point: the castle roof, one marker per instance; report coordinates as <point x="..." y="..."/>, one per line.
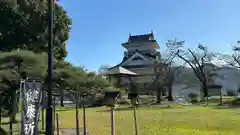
<point x="141" y="38"/>
<point x="151" y="58"/>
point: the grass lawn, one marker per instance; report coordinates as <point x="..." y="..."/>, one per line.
<point x="190" y="120"/>
<point x="185" y="120"/>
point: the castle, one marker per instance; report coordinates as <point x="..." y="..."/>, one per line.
<point x="140" y="57"/>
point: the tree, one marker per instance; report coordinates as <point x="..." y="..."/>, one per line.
<point x="15" y="66"/>
<point x="236" y="55"/>
<point x="24" y="25"/>
<point x="61" y="73"/>
<point x="103" y="69"/>
<point x="197" y="62"/>
<point x="172" y="75"/>
<point x="172" y="48"/>
<point x="163" y="69"/>
<point x="77" y="80"/>
<point x="159" y="79"/>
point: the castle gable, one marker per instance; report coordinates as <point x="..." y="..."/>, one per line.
<point x="138" y="59"/>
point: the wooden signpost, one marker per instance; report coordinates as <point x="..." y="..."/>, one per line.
<point x="133" y="98"/>
<point x="110" y="98"/>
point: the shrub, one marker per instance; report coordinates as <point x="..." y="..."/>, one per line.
<point x="123" y="100"/>
<point x="236" y="102"/>
<point x="231" y="93"/>
<point x="194" y="101"/>
<point x="192" y="95"/>
<point x="97" y="103"/>
<point x="3" y="132"/>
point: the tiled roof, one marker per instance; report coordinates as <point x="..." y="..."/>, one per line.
<point x="124" y="59"/>
<point x="141" y="38"/>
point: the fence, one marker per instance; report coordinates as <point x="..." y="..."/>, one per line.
<point x="30" y="120"/>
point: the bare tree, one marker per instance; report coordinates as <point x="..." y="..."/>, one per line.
<point x="197" y="62"/>
<point x="159" y="79"/>
<point x="164" y="75"/>
<point x="173" y="72"/>
<point x="236" y="55"/>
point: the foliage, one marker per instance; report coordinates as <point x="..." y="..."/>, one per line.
<point x="103" y="69"/>
<point x="15" y="65"/>
<point x="231" y="93"/>
<point x="24" y="25"/>
<point x="2" y="131"/>
<point x="111" y="88"/>
<point x="192" y="95"/>
<point x="165" y="76"/>
<point x="76" y="78"/>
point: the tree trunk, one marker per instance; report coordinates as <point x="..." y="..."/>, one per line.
<point x="170" y="98"/>
<point x="205" y="91"/>
<point x="61" y="97"/>
<point x="164" y="92"/>
<point x="159" y="96"/>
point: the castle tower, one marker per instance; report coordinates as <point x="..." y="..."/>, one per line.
<point x="140" y="57"/>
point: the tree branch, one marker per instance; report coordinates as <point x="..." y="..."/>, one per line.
<point x="190" y="64"/>
<point x="200" y="67"/>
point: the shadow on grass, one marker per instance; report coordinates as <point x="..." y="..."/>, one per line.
<point x="117" y="109"/>
<point x="227" y="107"/>
<point x="65" y="109"/>
<point x="142" y="107"/>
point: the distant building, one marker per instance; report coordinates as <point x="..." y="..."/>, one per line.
<point x="140" y="57"/>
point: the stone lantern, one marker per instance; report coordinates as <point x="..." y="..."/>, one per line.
<point x="110" y="96"/>
<point x="133" y="97"/>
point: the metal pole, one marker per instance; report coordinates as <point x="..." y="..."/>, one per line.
<point x="57" y="118"/>
<point x="54" y="111"/>
<point x="49" y="114"/>
<point x="77" y="119"/>
<point x="112" y="121"/>
<point x="135" y="119"/>
<point x="43" y="106"/>
<point x="84" y="118"/>
<point x="19" y="101"/>
<point x="22" y="106"/>
<point x="0" y="116"/>
<point x="10" y="128"/>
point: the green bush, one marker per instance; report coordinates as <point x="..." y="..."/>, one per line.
<point x="193" y="97"/>
<point x="236" y="102"/>
<point x="2" y="131"/>
<point x="194" y="101"/>
<point x="231" y="93"/>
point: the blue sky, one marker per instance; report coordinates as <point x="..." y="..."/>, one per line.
<point x="100" y="26"/>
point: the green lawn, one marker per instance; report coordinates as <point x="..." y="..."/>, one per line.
<point x="187" y="120"/>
